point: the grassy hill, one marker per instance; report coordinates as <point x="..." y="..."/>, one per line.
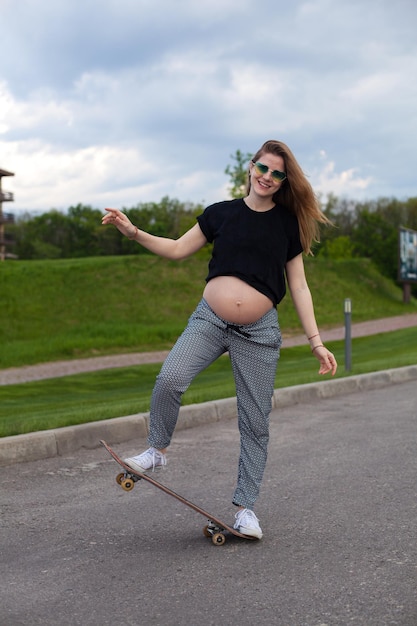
<point x="92" y="306"/>
<point x="79" y="308"/>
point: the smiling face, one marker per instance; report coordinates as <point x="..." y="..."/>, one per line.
<point x="265" y="184"/>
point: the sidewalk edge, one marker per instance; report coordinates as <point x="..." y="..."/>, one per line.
<point x="62" y="441"/>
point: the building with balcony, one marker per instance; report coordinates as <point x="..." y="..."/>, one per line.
<point x="5" y="218"/>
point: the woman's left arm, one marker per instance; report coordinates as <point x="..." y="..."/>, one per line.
<point x="303" y="302"/>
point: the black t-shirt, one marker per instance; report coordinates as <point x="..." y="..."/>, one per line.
<point x="253" y="246"/>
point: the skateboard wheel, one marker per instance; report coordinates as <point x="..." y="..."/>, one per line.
<point x="127" y="484"/>
<point x="218" y="539"/>
<point x="206" y="531"/>
<point x="119" y="478"/>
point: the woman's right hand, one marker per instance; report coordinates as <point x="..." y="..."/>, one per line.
<point x="174" y="249"/>
<point x="121" y="221"/>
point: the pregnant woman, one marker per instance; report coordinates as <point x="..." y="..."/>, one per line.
<point x="258" y="243"/>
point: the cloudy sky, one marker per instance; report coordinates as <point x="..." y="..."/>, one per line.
<point x="125" y="101"/>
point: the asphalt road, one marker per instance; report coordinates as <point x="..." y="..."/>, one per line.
<point x="338" y="510"/>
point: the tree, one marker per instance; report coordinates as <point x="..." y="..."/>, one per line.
<point x="376" y="239"/>
<point x="83" y="224"/>
<point x="238" y="174"/>
<point x="45" y="236"/>
<point x="338" y="248"/>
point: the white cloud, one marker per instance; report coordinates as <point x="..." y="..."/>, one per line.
<point x="49" y="178"/>
<point x="129" y="101"/>
<point x="343" y="183"/>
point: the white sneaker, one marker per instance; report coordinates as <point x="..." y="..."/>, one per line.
<point x="150" y="459"/>
<point x="247" y="523"/>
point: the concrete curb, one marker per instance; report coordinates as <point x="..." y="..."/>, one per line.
<point x="63" y="441"/>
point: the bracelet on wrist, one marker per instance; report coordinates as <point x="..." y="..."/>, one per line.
<point x="320" y="345"/>
<point x="134" y="234"/>
<point x="312" y="336"/>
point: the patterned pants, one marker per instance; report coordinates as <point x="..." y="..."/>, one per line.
<point x="254" y="351"/>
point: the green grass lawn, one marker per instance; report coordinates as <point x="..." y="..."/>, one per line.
<point x="116" y="392"/>
<point x="65" y="309"/>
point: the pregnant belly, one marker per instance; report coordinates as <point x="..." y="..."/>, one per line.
<point x="235" y="301"/>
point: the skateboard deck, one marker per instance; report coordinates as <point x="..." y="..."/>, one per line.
<point x="214" y="529"/>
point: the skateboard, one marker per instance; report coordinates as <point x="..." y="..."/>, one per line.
<point x="214" y="529"/>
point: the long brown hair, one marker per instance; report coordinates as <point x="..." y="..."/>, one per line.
<point x="296" y="193"/>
